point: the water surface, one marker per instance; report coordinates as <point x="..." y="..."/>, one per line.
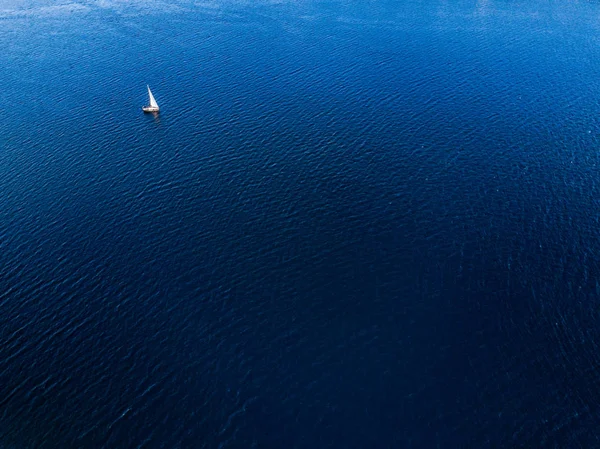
<point x="352" y="224"/>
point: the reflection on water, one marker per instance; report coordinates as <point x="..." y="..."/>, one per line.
<point x="155" y="117"/>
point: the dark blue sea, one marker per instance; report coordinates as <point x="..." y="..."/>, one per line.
<point x="353" y="224"/>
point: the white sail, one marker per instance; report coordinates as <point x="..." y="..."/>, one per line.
<point x="153" y="102"/>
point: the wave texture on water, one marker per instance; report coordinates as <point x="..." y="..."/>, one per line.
<point x="350" y="225"/>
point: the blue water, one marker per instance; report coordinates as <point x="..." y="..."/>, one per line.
<point x="352" y="225"/>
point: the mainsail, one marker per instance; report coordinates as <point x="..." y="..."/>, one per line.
<point x="153" y="102"/>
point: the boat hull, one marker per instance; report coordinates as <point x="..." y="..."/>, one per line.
<point x="150" y="109"/>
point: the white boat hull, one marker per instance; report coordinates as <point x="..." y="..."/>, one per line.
<point x="150" y="109"/>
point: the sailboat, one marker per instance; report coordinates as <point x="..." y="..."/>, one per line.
<point x="153" y="107"/>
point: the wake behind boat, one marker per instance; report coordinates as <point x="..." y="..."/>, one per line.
<point x="153" y="107"/>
